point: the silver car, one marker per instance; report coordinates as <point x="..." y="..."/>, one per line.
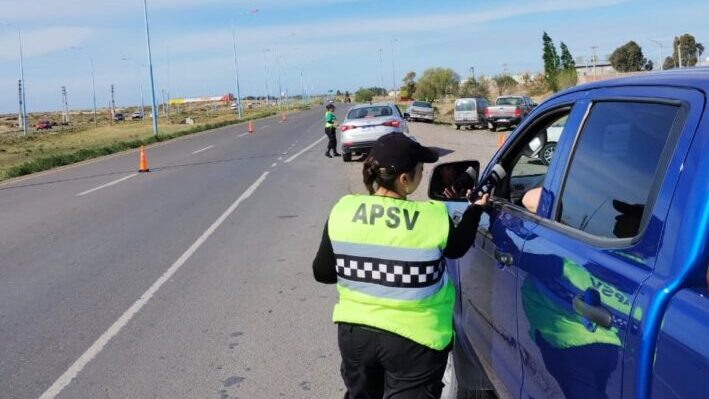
<point x="364" y="124"/>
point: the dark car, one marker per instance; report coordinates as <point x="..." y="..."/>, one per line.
<point x="119" y="117"/>
<point x="596" y="285"/>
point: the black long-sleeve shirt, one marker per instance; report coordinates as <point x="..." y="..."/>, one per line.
<point x="460" y="239"/>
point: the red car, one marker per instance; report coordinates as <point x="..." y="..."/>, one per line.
<point x="41" y="125"/>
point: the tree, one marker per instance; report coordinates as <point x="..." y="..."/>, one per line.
<point x="474" y="88"/>
<point x="551" y="63"/>
<point x="503" y="83"/>
<point x="690" y="50"/>
<point x="409" y="87"/>
<point x="436" y="83"/>
<point x="628" y="58"/>
<point x="364" y="95"/>
<point x="567" y="61"/>
<point x="338" y="93"/>
<point x="649" y="65"/>
<point x="669" y="63"/>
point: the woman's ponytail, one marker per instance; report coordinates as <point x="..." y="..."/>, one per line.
<point x="370" y="173"/>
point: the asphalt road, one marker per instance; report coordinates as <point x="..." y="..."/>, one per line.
<point x="191" y="281"/>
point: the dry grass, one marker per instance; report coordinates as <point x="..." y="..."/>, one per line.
<point x="21" y="155"/>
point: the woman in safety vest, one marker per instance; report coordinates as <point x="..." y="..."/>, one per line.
<point x="386" y="254"/>
<point x="330" y="130"/>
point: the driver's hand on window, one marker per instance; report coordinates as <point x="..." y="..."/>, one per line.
<point x="482" y="201"/>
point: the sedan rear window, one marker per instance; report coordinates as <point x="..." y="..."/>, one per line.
<point x="369" y="112"/>
<point x="422" y="104"/>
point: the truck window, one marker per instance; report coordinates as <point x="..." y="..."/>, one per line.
<point x="465" y="105"/>
<point x="613" y="167"/>
<point x="508" y="101"/>
<point x="422" y="104"/>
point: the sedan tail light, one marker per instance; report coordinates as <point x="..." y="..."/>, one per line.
<point x="392" y="123"/>
<point x="346" y="127"/>
<point x="518" y="112"/>
<point x="486" y="111"/>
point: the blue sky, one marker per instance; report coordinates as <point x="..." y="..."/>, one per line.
<point x="335" y="43"/>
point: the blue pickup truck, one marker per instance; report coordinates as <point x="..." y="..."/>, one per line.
<point x="600" y="289"/>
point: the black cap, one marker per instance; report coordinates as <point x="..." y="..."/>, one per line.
<point x="330" y="106"/>
<point x="397" y="153"/>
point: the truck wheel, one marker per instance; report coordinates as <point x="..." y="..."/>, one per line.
<point x="457" y="127"/>
<point x="347" y="156"/>
<point x="492" y="127"/>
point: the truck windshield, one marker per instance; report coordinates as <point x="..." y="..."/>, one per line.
<point x="421" y="104"/>
<point x="508" y="101"/>
<point x="465" y="105"/>
<point x="369" y="112"/>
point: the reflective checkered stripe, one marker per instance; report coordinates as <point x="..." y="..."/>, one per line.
<point x="391" y="276"/>
<point x="389" y="273"/>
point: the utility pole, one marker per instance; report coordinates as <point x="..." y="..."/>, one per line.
<point x="150" y="68"/>
<point x="113" y="100"/>
<point x="24" y="86"/>
<point x="20" y="114"/>
<point x="679" y="52"/>
<point x="65" y="106"/>
<point x="504" y="69"/>
<point x="167" y="93"/>
<point x="594" y="62"/>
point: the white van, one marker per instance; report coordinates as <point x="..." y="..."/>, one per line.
<point x="470" y="112"/>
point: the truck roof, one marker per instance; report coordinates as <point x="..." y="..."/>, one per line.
<point x="695" y="77"/>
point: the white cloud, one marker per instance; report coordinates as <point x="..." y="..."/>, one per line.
<point x="41" y="41"/>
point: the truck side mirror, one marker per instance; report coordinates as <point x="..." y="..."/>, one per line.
<point x="453" y="174"/>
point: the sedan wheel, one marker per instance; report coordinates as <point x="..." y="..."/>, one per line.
<point x="547" y="153"/>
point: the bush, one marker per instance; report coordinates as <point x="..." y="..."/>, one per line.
<point x="364" y="95"/>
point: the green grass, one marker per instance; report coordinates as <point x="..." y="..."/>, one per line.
<point x="46" y="152"/>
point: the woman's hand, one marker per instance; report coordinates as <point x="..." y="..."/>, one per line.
<point x="482" y="201"/>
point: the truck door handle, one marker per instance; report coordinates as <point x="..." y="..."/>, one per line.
<point x="589" y="306"/>
<point x="504" y="258"/>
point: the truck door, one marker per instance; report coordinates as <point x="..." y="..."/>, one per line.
<point x="593" y="246"/>
<point x="488" y="272"/>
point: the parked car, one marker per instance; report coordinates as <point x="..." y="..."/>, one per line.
<point x="419" y="111"/>
<point x="544" y="145"/>
<point x="364" y="124"/>
<point x="470" y="112"/>
<point x="508" y="111"/>
<point x="136" y="116"/>
<point x="598" y="288"/>
<point x="119" y="117"/>
<point x="43" y="125"/>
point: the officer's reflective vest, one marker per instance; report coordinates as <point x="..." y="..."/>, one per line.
<point x="390" y="269"/>
<point x="329" y="119"/>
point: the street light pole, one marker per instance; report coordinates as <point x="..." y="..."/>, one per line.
<point x="278" y="72"/>
<point x="393" y="68"/>
<point x="150" y="68"/>
<point x="265" y="70"/>
<point x="236" y="71"/>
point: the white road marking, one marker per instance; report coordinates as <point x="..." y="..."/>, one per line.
<point x="203" y="149"/>
<point x="112" y="331"/>
<point x="265" y="127"/>
<point x="106" y="185"/>
<point x="289" y="160"/>
<point x="280" y="158"/>
<point x="273" y="165"/>
<point x="244" y="134"/>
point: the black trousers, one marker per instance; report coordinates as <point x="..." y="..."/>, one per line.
<point x="378" y="364"/>
<point x="332" y="138"/>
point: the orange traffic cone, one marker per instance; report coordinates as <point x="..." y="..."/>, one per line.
<point x="500" y="139"/>
<point x="251" y="127"/>
<point x="143" y="167"/>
